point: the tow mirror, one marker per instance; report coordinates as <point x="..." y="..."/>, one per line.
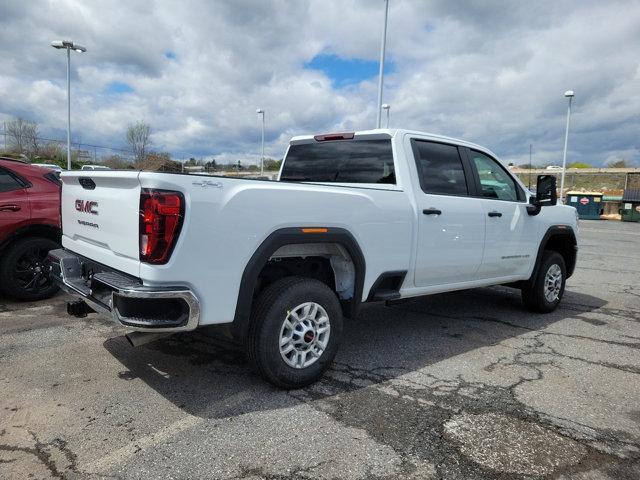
<point x="546" y="194"/>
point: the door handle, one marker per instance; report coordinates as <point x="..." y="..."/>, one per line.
<point x="495" y="214"/>
<point x="9" y="208"/>
<point x="432" y="211"/>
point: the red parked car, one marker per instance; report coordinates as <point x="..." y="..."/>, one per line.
<point x="29" y="228"/>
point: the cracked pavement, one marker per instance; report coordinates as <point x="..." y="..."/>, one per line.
<point x="465" y="385"/>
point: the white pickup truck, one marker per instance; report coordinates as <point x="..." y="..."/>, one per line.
<point x="369" y="216"/>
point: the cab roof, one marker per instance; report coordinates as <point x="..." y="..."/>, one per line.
<point x="382" y="133"/>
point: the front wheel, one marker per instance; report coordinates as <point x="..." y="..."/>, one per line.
<point x="544" y="293"/>
<point x="295" y="330"/>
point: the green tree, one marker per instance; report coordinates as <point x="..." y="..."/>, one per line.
<point x="211" y="165"/>
<point x="272" y="164"/>
<point x="579" y="165"/>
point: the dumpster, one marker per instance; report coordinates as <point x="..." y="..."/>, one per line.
<point x="588" y="204"/>
<point x="631" y="205"/>
<point x="611" y="204"/>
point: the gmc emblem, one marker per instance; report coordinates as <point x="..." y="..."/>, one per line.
<point x="87" y="206"/>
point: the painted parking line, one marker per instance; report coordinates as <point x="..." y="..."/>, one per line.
<point x="156" y="438"/>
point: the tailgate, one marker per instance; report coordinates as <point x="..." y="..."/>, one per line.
<point x="100" y="217"/>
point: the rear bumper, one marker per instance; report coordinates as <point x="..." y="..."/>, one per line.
<point x="131" y="304"/>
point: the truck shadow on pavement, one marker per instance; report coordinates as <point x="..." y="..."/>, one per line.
<point x="209" y="378"/>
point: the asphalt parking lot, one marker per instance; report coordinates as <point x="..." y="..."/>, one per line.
<point x="462" y="385"/>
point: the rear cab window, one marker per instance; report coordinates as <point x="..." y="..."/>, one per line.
<point x="440" y="167"/>
<point x="341" y="161"/>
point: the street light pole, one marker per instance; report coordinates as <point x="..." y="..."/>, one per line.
<point x="569" y="94"/>
<point x="68" y="45"/>
<point x="68" y="108"/>
<point x="387" y="107"/>
<point x="261" y="111"/>
<point x="530" y="148"/>
<point x="381" y="72"/>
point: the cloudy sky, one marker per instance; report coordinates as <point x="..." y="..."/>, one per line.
<point x="492" y="72"/>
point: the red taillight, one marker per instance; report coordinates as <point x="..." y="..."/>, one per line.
<point x="161" y="214"/>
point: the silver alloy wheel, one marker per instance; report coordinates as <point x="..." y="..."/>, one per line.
<point x="304" y="335"/>
<point x="553" y="283"/>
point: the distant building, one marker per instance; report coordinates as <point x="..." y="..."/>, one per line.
<point x="631" y="205"/>
<point x="632" y="181"/>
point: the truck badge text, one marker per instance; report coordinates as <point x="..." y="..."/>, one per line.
<point x="87" y="206"/>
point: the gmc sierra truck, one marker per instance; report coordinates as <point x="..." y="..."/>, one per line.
<point x="376" y="215"/>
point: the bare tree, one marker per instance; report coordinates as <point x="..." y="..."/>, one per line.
<point x="619" y="164"/>
<point x="32" y="139"/>
<point x="138" y="139"/>
<point x="23" y="135"/>
<point x="116" y="162"/>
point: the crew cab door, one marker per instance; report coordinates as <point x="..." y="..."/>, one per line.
<point x="14" y="203"/>
<point x="511" y="233"/>
<point x="451" y="222"/>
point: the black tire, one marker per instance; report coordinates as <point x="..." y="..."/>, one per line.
<point x="24" y="269"/>
<point x="269" y="313"/>
<point x="533" y="294"/>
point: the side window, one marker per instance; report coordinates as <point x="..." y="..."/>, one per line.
<point x="494" y="180"/>
<point x="8" y="182"/>
<point x="440" y="168"/>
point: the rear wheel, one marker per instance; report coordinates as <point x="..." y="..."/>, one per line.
<point x="544" y="293"/>
<point x="24" y="269"/>
<point x="295" y="330"/>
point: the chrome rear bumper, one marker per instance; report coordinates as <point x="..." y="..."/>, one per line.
<point x="132" y="304"/>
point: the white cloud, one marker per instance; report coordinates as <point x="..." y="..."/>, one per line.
<point x="493" y="73"/>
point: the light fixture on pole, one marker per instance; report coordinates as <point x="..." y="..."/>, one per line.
<point x="68" y="45"/>
<point x="261" y="111"/>
<point x="568" y="94"/>
<point x="386" y="106"/>
<point x="381" y="71"/>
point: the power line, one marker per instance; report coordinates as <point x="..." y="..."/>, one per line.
<point x="79" y="144"/>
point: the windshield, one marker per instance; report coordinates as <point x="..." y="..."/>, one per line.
<point x="356" y="161"/>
